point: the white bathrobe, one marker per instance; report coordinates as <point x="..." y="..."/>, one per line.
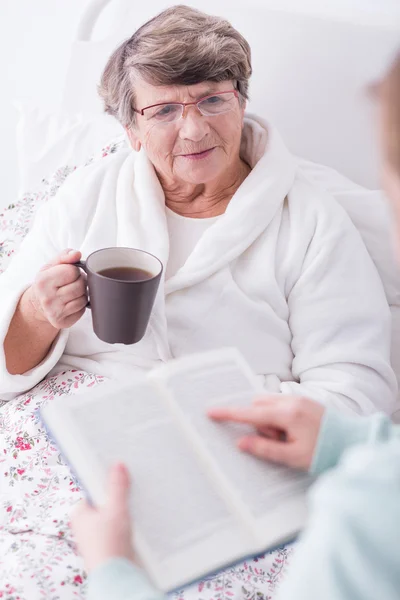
<point x="283" y="275"/>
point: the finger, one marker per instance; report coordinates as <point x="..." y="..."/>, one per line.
<point x="72" y="291"/>
<point x="74" y="307"/>
<point x="270" y="432"/>
<point x="49" y="281"/>
<point x="59" y="276"/>
<point x="56" y="311"/>
<point x="274" y="451"/>
<point x="69" y="321"/>
<point x="67" y="256"/>
<point x="119" y="487"/>
<point x="258" y="416"/>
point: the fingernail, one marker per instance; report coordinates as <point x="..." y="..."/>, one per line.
<point x="71" y="251"/>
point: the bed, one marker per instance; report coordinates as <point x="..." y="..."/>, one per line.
<point x="309" y="79"/>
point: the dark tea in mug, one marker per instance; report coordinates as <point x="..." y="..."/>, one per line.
<point x="126" y="273"/>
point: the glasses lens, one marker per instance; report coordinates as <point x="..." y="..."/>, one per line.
<point x="216" y="105"/>
<point x="164" y="113"/>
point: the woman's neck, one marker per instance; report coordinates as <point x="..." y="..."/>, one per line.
<point x="205" y="200"/>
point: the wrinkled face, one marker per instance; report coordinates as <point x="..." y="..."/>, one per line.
<point x="195" y="149"/>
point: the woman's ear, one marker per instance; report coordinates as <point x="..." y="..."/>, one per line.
<point x="133" y="138"/>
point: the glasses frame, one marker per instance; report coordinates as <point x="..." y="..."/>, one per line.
<point x="185" y="104"/>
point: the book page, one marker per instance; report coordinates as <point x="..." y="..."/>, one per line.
<point x="174" y="503"/>
<point x="223" y="380"/>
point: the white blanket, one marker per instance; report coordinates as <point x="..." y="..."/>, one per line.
<point x="283" y="275"/>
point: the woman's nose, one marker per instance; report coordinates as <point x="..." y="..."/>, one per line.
<point x="193" y="125"/>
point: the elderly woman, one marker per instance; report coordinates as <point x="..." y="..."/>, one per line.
<point x="255" y="257"/>
<point x="351" y="546"/>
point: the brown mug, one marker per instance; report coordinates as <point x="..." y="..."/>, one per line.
<point x="122" y="286"/>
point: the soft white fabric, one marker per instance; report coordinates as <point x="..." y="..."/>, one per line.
<point x="49" y="140"/>
<point x="371" y="214"/>
<point x="283" y="275"/>
<point x="183" y="233"/>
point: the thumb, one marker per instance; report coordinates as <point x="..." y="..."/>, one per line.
<point x="67" y="256"/>
<point x="119" y="487"/>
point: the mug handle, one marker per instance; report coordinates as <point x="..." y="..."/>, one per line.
<point x="81" y="264"/>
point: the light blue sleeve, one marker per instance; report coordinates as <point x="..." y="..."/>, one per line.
<point x="120" y="579"/>
<point x="350" y="549"/>
<point x="339" y="432"/>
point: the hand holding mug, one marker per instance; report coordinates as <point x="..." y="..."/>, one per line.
<point x="122" y="284"/>
<point x="58" y="293"/>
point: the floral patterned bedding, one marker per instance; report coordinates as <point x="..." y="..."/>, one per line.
<point x="38" y="558"/>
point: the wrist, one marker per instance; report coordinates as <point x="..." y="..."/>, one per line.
<point x="120" y="577"/>
<point x="337" y="433"/>
<point x="96" y="560"/>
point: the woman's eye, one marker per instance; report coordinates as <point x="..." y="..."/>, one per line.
<point x="213" y="100"/>
<point x="166" y="111"/>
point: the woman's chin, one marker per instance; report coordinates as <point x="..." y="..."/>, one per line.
<point x="198" y="174"/>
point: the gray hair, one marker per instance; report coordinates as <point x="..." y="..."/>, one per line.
<point x="180" y="46"/>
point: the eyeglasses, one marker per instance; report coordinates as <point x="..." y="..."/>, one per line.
<point x="209" y="106"/>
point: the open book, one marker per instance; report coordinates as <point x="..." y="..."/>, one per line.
<point x="198" y="503"/>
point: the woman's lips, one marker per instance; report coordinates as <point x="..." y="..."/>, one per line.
<point x="198" y="155"/>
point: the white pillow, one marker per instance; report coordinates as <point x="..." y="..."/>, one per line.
<point x="47" y="141"/>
